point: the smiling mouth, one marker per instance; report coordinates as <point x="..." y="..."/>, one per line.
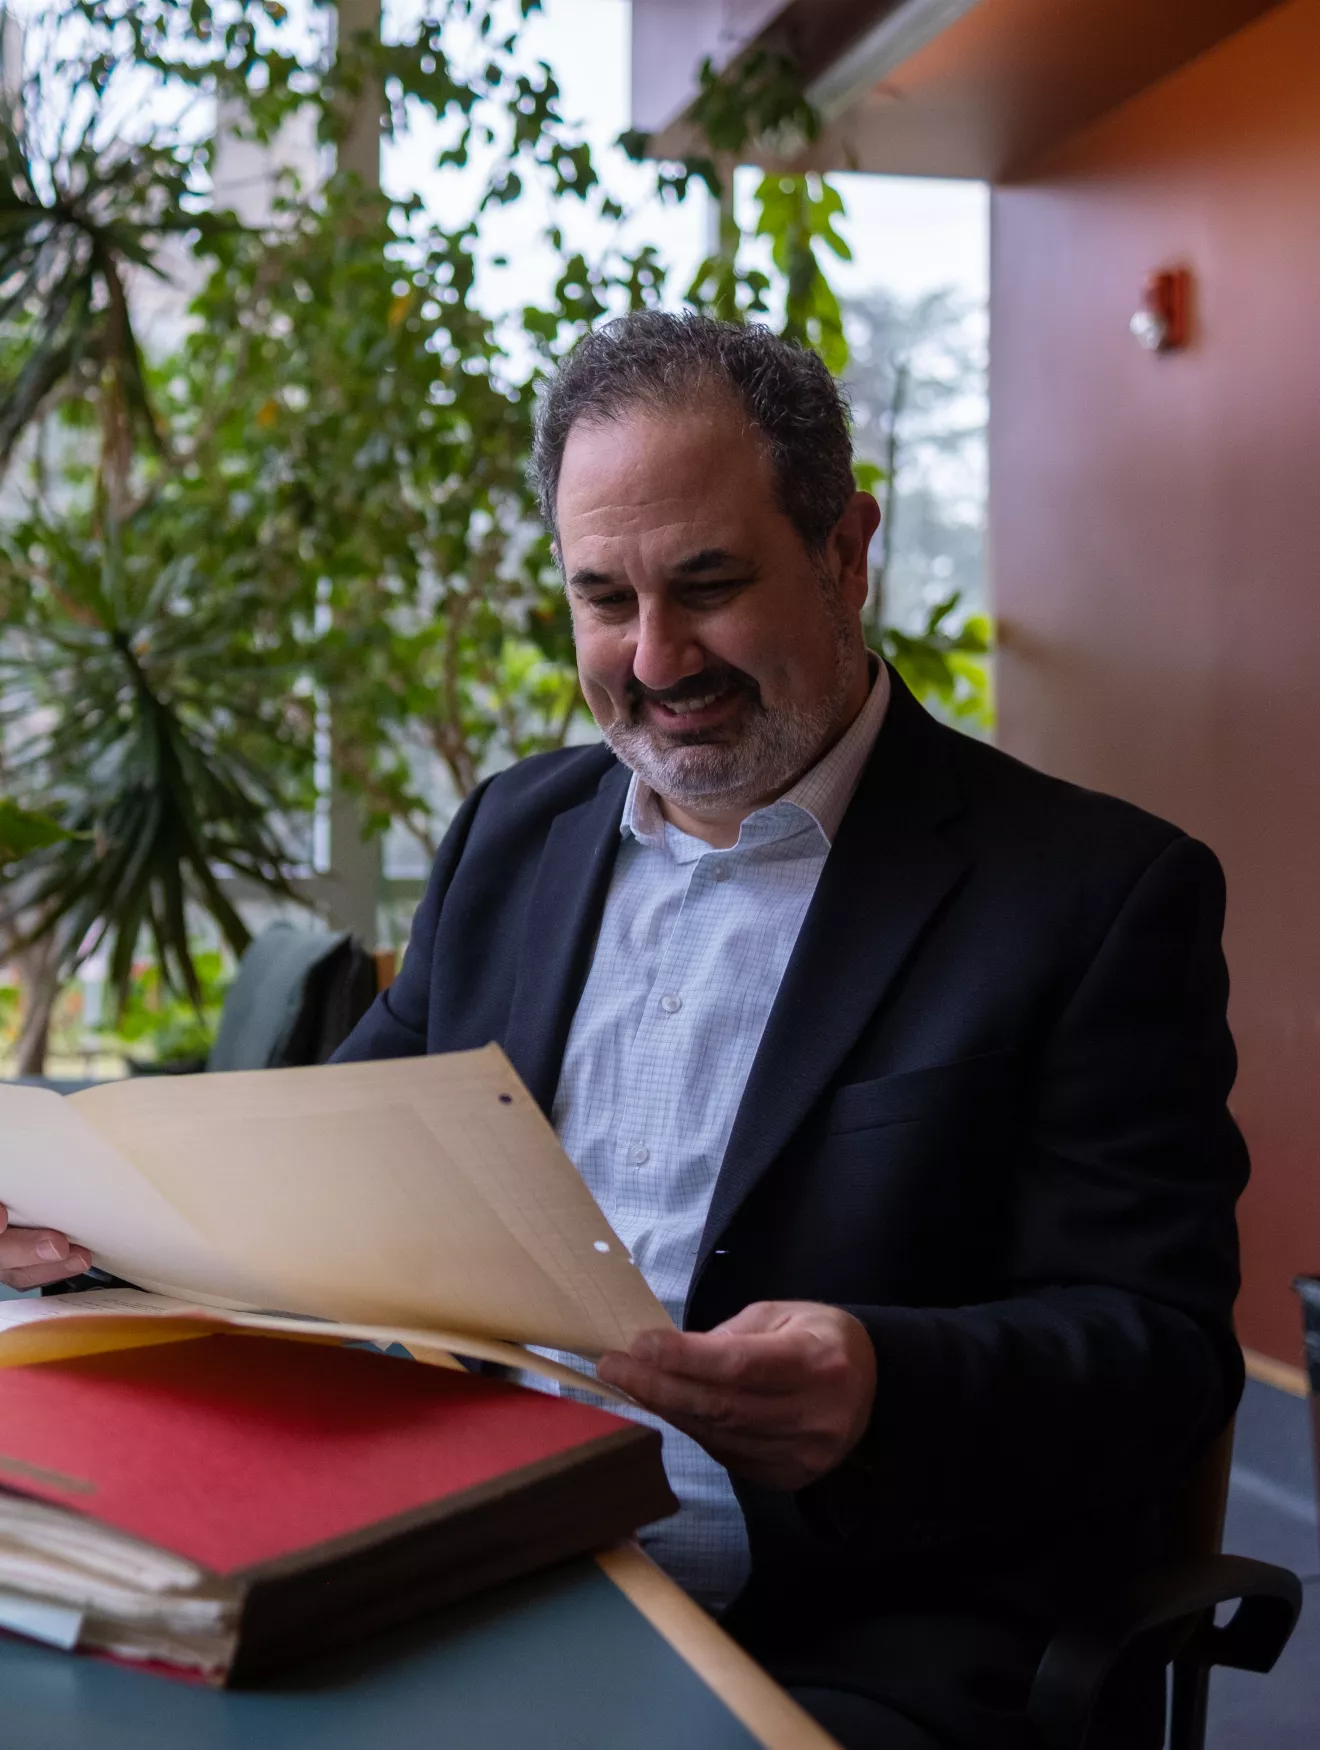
<point x="682" y="713"/>
<point x="696" y="717"/>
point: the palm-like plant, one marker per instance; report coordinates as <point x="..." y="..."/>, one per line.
<point x="85" y="202"/>
<point x="135" y="705"/>
<point x="142" y="710"/>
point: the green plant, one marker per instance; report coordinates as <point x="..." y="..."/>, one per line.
<point x="944" y="662"/>
<point x="343" y="425"/>
<point x="368" y="474"/>
<point x="125" y="695"/>
<point x="155" y="1025"/>
<point x="164" y="763"/>
<point x="11" y="999"/>
<point x="757" y="103"/>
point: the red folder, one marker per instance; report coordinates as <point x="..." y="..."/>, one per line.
<point x="338" y="1490"/>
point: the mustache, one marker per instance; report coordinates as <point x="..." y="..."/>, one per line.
<point x="718" y="678"/>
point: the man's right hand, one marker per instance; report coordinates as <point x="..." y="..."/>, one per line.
<point x="30" y="1257"/>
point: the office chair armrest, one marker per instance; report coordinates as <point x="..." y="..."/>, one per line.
<point x="1078" y="1661"/>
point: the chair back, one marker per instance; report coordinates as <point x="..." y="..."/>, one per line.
<point x="297" y="995"/>
<point x="1194" y="1516"/>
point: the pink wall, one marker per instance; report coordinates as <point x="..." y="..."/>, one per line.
<point x="1156" y="541"/>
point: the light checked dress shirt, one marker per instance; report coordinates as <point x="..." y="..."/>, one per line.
<point x="692" y="947"/>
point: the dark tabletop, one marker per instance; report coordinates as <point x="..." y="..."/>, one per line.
<point x="559" y="1662"/>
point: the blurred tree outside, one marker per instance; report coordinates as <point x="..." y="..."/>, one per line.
<point x="315" y="487"/>
<point x="917" y="381"/>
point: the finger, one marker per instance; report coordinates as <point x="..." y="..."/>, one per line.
<point x="760" y="1317"/>
<point x="38" y="1275"/>
<point x="675" y="1397"/>
<point x="771" y="1362"/>
<point x="22" y="1247"/>
<point x="4" y="1218"/>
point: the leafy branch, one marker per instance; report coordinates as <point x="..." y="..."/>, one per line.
<point x="759" y="106"/>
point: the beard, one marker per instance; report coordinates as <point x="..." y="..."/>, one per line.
<point x="759" y="756"/>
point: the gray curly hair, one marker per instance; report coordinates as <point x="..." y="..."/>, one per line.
<point x="664" y="362"/>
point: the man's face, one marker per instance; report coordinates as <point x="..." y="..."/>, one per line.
<point x="718" y="655"/>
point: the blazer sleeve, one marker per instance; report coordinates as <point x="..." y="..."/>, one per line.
<point x="1111" y="1361"/>
<point x="396" y="1024"/>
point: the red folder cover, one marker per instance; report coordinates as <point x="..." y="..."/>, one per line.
<point x="344" y="1490"/>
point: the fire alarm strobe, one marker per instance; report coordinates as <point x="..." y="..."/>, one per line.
<point x="1163" y="323"/>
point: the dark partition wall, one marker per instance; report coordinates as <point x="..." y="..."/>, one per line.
<point x="1156" y="540"/>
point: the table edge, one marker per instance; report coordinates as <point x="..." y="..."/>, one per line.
<point x="769" y="1713"/>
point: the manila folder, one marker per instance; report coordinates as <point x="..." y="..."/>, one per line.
<point x="428" y="1192"/>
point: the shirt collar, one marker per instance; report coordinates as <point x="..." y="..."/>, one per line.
<point x="823" y="793"/>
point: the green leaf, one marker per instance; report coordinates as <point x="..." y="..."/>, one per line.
<point x="23" y="831"/>
<point x="868" y="475"/>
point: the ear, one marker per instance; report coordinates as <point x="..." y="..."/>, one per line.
<point x="850" y="544"/>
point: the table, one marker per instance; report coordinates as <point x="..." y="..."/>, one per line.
<point x="603" y="1654"/>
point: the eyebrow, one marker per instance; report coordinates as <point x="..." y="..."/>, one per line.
<point x="695" y="565"/>
<point x="709" y="559"/>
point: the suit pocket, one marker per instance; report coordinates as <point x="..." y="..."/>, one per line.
<point x="949" y="1093"/>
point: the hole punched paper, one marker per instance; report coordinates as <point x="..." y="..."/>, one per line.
<point x="420" y="1200"/>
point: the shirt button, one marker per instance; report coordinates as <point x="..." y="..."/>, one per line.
<point x="639" y="1154"/>
<point x="723" y="872"/>
<point x="671" y="1004"/>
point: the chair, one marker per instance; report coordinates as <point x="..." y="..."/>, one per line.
<point x="1173" y="1612"/>
<point x="297" y="995"/>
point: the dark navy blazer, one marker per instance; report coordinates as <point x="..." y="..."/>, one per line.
<point x="987" y="1115"/>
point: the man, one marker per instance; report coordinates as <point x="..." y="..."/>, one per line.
<point x="900" y="1068"/>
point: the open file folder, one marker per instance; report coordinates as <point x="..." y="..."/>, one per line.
<point x="421" y="1199"/>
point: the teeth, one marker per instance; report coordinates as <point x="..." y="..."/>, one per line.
<point x="689" y="705"/>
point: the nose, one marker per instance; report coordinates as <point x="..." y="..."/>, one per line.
<point x="666" y="651"/>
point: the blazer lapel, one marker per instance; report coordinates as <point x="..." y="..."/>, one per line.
<point x="887" y="873"/>
<point x="559" y="935"/>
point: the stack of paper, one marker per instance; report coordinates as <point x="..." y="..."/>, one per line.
<point x="228" y="1505"/>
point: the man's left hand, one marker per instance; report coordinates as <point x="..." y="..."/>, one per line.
<point x="780" y="1394"/>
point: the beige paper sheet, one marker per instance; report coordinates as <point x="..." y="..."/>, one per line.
<point x="426" y="1193"/>
<point x="57" y="1171"/>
